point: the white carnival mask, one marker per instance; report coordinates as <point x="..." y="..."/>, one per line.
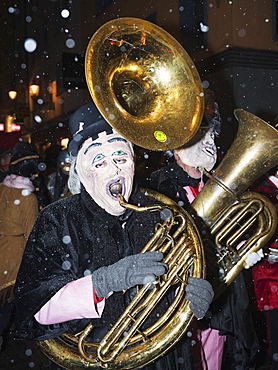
<point x="201" y="155"/>
<point x="102" y="162"/>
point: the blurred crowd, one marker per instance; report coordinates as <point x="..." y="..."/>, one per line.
<point x="29" y="182"/>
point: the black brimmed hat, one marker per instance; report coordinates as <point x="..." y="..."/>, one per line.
<point x="25" y="160"/>
<point x="86" y="122"/>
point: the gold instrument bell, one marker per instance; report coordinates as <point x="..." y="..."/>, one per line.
<point x="144" y="83"/>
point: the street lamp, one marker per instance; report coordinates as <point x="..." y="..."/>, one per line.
<point x="34" y="89"/>
<point x="12" y="94"/>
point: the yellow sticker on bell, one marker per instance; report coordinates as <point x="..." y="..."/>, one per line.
<point x="160" y="136"/>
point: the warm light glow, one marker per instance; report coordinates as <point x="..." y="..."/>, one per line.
<point x="2" y="127"/>
<point x="16" y="127"/>
<point x="64" y="142"/>
<point x="34" y="90"/>
<point x="9" y="121"/>
<point x="12" y="94"/>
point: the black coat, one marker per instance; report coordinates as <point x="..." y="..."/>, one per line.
<point x="170" y="180"/>
<point x="73" y="237"/>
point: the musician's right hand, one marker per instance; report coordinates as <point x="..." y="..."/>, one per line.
<point x="133" y="270"/>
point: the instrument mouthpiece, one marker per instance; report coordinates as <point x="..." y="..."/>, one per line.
<point x="201" y="169"/>
<point x="115" y="189"/>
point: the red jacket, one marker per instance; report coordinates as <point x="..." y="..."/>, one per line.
<point x="265" y="274"/>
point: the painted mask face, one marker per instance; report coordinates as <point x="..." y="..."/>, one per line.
<point x="202" y="154"/>
<point x="102" y="162"/>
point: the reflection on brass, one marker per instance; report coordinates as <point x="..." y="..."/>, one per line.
<point x="143" y="82"/>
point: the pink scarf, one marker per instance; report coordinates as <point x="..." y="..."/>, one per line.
<point x="19" y="182"/>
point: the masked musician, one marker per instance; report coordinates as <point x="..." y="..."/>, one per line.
<point x="84" y="249"/>
<point x="182" y="180"/>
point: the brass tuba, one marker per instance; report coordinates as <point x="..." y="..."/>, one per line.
<point x="138" y="91"/>
<point x="230" y="213"/>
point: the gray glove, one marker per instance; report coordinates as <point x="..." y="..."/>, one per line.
<point x="200" y="293"/>
<point x="133" y="270"/>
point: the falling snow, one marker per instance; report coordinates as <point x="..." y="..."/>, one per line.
<point x="30" y="45"/>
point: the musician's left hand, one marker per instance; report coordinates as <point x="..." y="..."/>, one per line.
<point x="253" y="258"/>
<point x="200" y="293"/>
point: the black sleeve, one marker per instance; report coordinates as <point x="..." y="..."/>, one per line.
<point x="47" y="265"/>
<point x="164" y="184"/>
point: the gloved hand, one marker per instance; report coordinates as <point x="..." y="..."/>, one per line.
<point x="253" y="258"/>
<point x="273" y="255"/>
<point x="200" y="293"/>
<point x="137" y="269"/>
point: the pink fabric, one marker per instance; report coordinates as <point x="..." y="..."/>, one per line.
<point x="191" y="192"/>
<point x="73" y="301"/>
<point x="19" y="182"/>
<point x="212" y="347"/>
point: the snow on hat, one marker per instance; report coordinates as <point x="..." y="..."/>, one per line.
<point x="84" y="123"/>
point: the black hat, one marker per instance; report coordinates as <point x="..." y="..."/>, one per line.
<point x="273" y="171"/>
<point x="25" y="160"/>
<point x="84" y="123"/>
<point x="211" y="119"/>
